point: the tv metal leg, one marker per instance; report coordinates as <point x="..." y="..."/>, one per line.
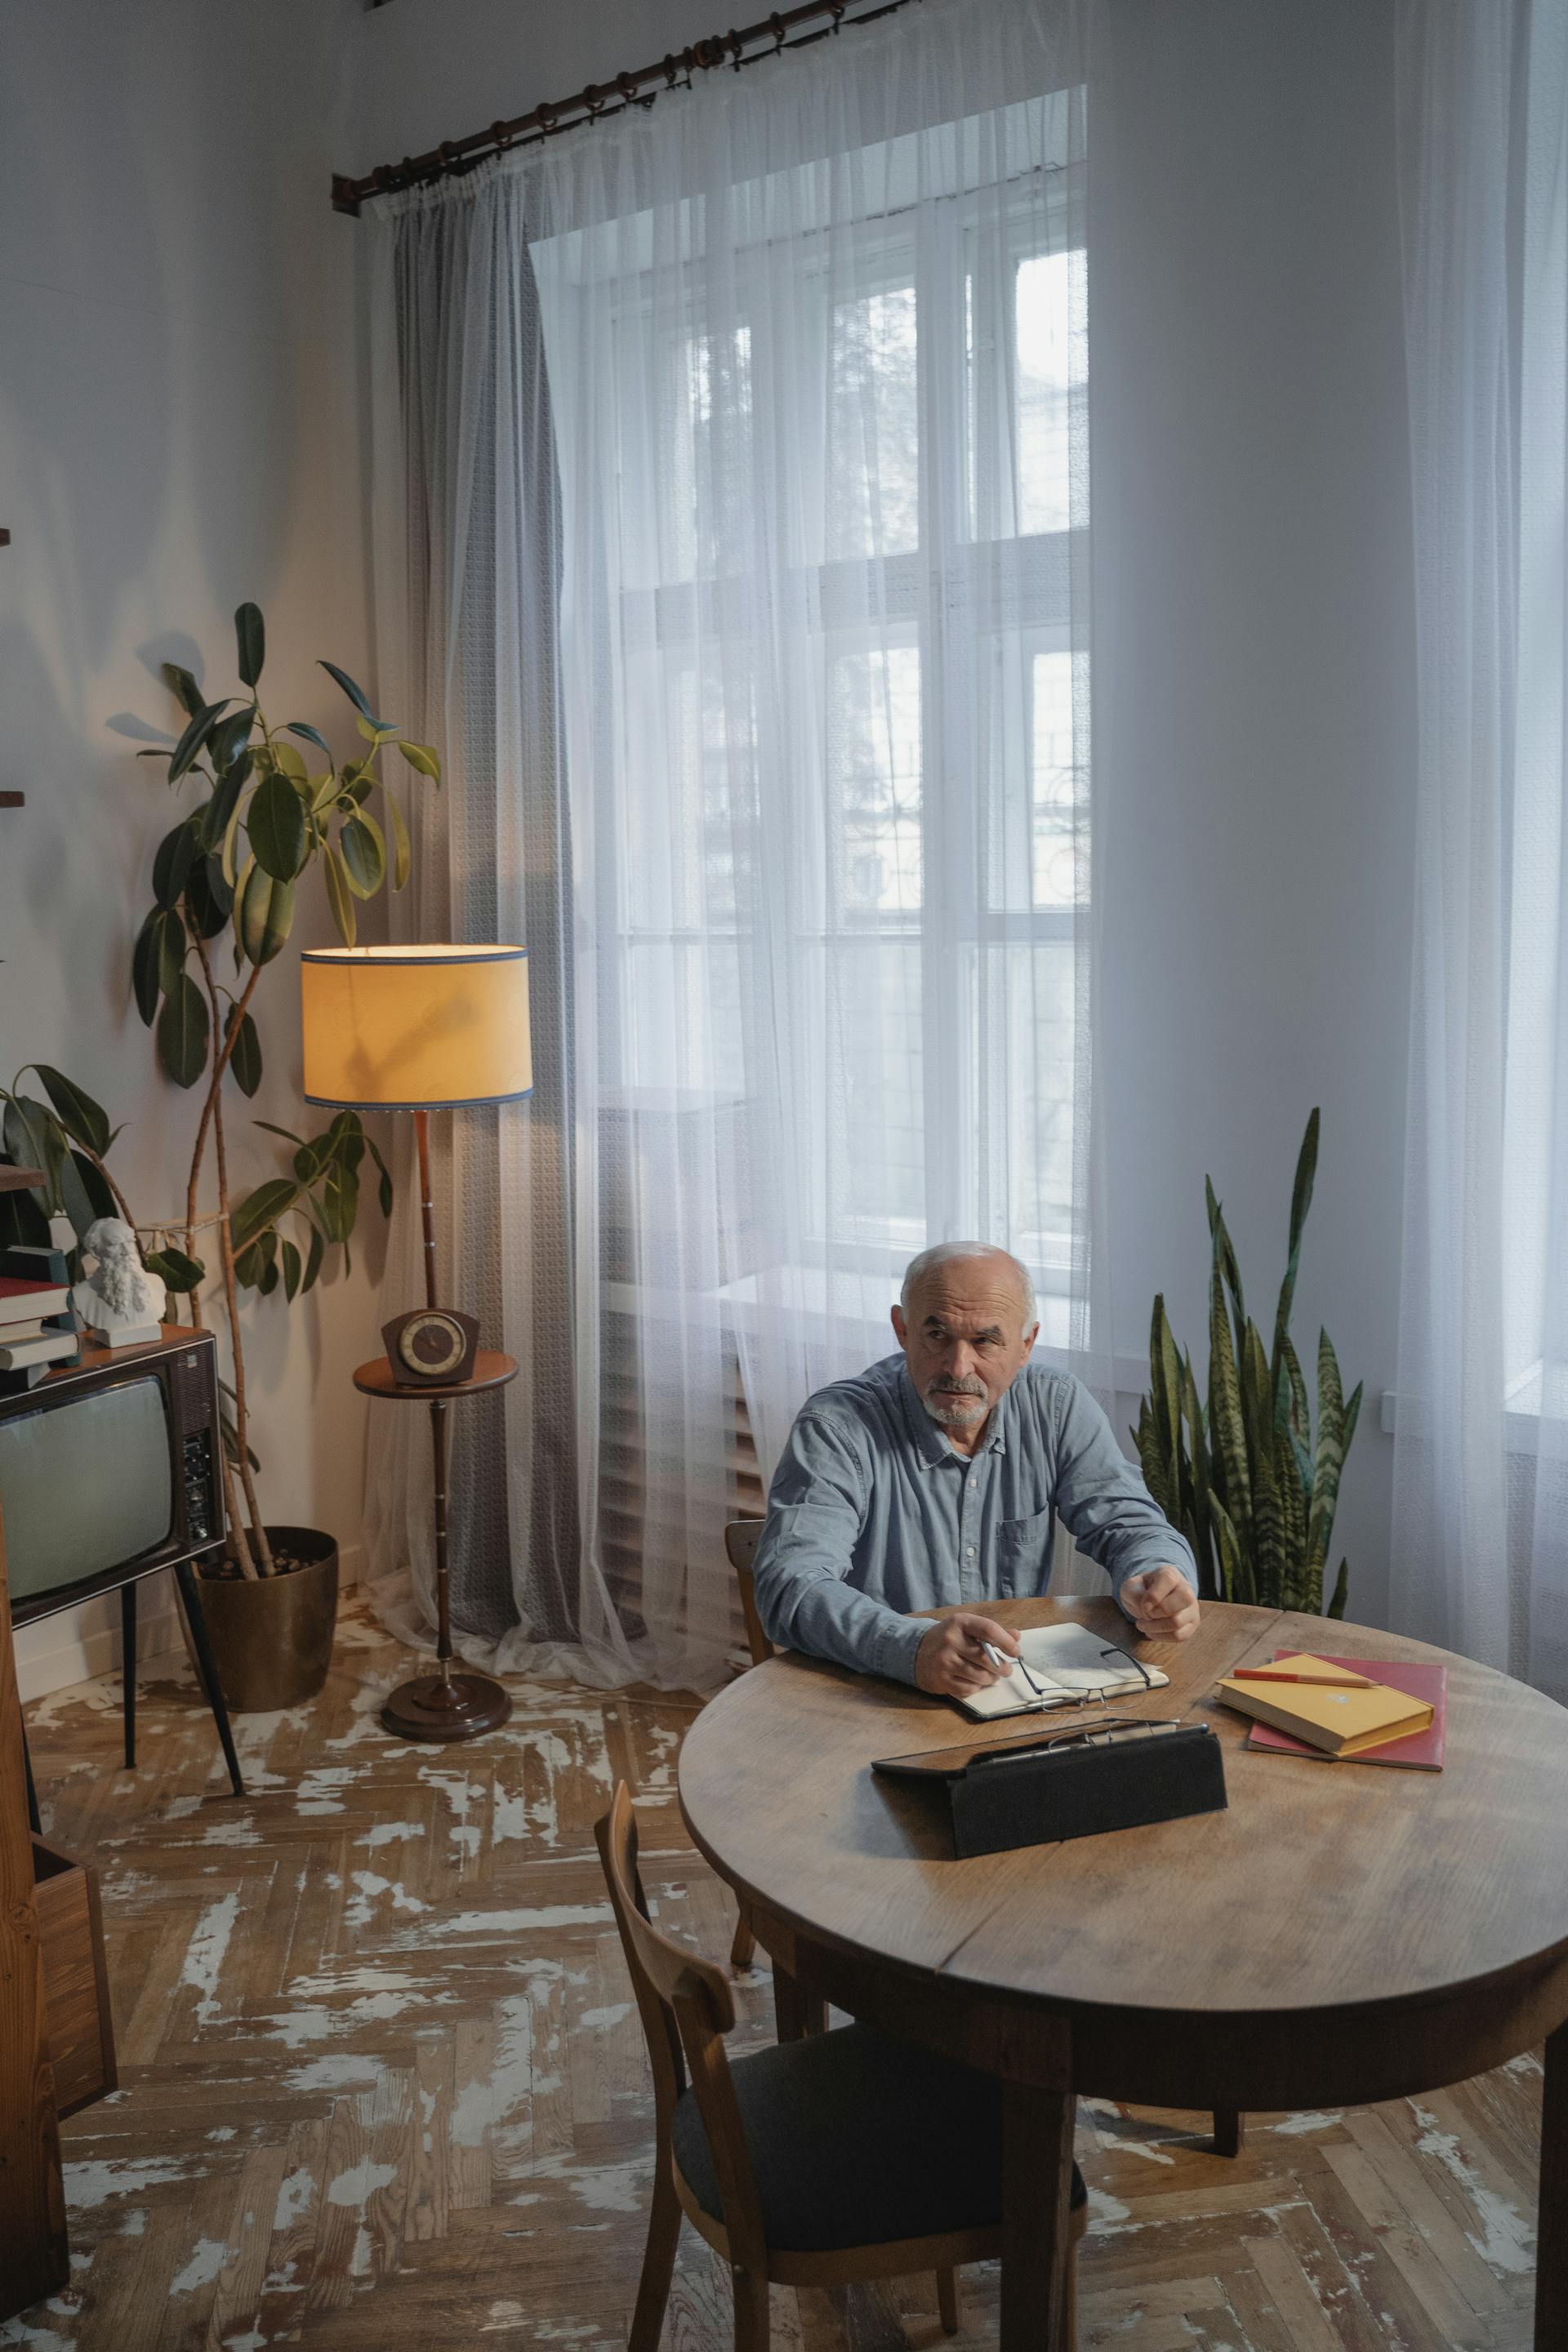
<point x="186" y="1578"/>
<point x="127" y="1668"/>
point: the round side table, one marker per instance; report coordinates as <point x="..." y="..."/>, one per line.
<point x="442" y="1705"/>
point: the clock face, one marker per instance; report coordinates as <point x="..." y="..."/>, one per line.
<point x="432" y="1344"/>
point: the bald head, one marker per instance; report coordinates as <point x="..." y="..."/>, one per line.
<point x="966" y="1324"/>
<point x="993" y="1266"/>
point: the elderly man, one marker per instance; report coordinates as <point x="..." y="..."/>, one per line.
<point x="938" y="1475"/>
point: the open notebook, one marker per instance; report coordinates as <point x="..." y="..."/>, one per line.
<point x="1061" y="1665"/>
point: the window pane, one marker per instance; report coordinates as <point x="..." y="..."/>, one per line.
<point x="1060" y="831"/>
<point x="880" y="1150"/>
<point x="1047" y="372"/>
<point x="873" y="433"/>
<point x="874" y="771"/>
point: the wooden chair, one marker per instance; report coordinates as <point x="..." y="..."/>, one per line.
<point x="740" y="1539"/>
<point x="844" y="2156"/>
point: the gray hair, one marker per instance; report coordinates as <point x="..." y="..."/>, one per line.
<point x="944" y="1253"/>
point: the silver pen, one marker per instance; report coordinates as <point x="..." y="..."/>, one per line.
<point x="1000" y="1658"/>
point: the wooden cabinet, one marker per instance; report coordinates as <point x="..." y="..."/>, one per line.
<point x="34" y="2258"/>
<point x="78" y="2025"/>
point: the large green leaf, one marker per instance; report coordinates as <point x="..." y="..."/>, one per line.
<point x="189" y="748"/>
<point x="402" y="853"/>
<point x="308" y="734"/>
<point x="228" y="748"/>
<point x="182" y="1033"/>
<point x="275" y="824"/>
<point x="340" y="898"/>
<point x="385" y="1190"/>
<point x="75" y="1199"/>
<point x="364" y="853"/>
<point x="95" y="1184"/>
<point x="250" y="639"/>
<point x="182" y="1273"/>
<point x="145" y="985"/>
<point x="261" y="1209"/>
<point x="420" y="756"/>
<point x="176" y="852"/>
<point x="264" y="914"/>
<point x="83" y="1120"/>
<point x="33" y="1138"/>
<point x="1300" y="1202"/>
<point x="355" y="694"/>
<point x="313" y="1257"/>
<point x="209" y="901"/>
<point x="245" y="1062"/>
<point x="182" y="685"/>
<point x="292" y="1270"/>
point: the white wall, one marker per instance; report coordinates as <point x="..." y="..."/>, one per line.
<point x="1254" y="622"/>
<point x="177" y="433"/>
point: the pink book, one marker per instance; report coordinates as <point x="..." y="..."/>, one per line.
<point x="1422" y="1752"/>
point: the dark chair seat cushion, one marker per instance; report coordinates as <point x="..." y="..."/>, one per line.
<point x="858" y="2140"/>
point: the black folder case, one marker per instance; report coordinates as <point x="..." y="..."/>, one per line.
<point x="1025" y="1793"/>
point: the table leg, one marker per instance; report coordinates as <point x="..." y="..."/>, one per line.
<point x="796" y="2012"/>
<point x="1037" y="2190"/>
<point x="1551" y="2236"/>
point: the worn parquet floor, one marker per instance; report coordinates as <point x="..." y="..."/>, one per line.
<point x="381" y="2085"/>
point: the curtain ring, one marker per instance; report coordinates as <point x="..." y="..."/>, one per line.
<point x="776" y="27"/>
<point x="594" y="99"/>
<point x="708" y="54"/>
<point x="736" y="47"/>
<point x="837" y="8"/>
<point x="671" y="67"/>
<point x="502" y="132"/>
<point x="547" y="113"/>
<point x="627" y="85"/>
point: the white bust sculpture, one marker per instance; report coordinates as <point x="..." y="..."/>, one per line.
<point x="120" y="1295"/>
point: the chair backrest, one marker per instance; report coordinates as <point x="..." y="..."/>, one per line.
<point x="740" y="1539"/>
<point x="685" y="2005"/>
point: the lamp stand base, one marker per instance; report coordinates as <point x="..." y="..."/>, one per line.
<point x="437" y="1706"/>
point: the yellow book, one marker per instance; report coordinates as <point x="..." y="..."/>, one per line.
<point x="1340" y="1721"/>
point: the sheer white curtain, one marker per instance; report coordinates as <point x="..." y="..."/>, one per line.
<point x="1480" y="1557"/>
<point x="815" y="353"/>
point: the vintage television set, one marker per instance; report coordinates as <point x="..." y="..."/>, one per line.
<point x="109" y="1470"/>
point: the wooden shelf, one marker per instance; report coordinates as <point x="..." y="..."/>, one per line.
<point x="21" y="1179"/>
<point x="13" y="800"/>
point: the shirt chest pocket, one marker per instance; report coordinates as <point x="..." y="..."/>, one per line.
<point x="1024" y="1554"/>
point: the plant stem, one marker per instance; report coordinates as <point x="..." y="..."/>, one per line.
<point x="255" y="1553"/>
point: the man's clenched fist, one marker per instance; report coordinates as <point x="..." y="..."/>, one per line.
<point x="1161" y="1604"/>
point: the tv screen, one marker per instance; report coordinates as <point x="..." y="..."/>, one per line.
<point x="84" y="1485"/>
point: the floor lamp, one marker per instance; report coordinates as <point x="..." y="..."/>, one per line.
<point x="424" y="1029"/>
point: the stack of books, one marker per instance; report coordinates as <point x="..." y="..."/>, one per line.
<point x="1363" y="1709"/>
<point x="36" y="1327"/>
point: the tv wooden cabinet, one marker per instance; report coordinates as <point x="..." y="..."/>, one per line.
<point x="34" y="2257"/>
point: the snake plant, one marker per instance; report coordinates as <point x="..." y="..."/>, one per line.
<point x="1245" y="1481"/>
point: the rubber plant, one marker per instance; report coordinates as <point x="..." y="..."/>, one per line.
<point x="263" y="818"/>
<point x="1246" y="1481"/>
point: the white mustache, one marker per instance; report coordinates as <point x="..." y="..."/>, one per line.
<point x="956" y="1388"/>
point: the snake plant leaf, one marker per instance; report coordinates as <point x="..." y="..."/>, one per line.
<point x="276" y="825"/>
<point x="1353" y="1414"/>
<point x="1330" y="1452"/>
<point x="1342" y="1591"/>
<point x="83" y="1120"/>
<point x="1227" y="1434"/>
<point x="182" y="1035"/>
<point x="1229" y="1549"/>
<point x="1301" y="1405"/>
<point x="1224" y="1245"/>
<point x="264" y="913"/>
<point x="1300" y="1202"/>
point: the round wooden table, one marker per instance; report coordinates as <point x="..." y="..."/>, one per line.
<point x="1341" y="1934"/>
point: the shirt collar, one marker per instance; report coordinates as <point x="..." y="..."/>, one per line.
<point x="928" y="1438"/>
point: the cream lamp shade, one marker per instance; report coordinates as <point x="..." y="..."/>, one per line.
<point x="425" y="1028"/>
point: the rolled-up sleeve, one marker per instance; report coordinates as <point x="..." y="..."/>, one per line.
<point x="816" y="1510"/>
<point x="1101" y="1499"/>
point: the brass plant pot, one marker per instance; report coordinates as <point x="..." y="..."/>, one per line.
<point x="272" y="1635"/>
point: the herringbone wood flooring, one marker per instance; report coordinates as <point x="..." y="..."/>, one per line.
<point x="381" y="2085"/>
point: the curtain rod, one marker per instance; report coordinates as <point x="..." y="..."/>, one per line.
<point x="455" y="156"/>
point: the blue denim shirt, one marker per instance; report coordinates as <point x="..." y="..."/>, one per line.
<point x="872" y="1513"/>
